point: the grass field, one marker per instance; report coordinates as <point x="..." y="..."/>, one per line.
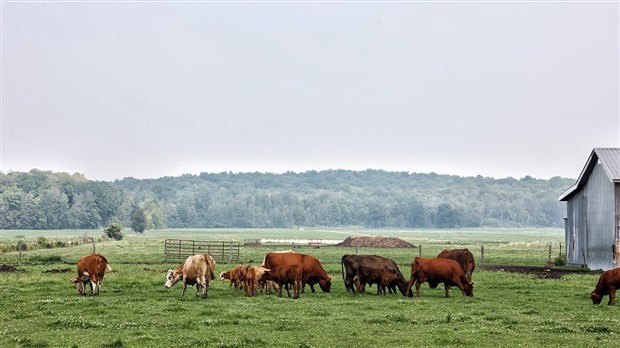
<point x="41" y="309"/>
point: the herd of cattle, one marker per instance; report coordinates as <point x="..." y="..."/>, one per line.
<point x="289" y="269"/>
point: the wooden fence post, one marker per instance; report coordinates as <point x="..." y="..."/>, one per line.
<point x="482" y="253"/>
<point x="94" y="247"/>
<point x="420" y="250"/>
<point x="20" y="250"/>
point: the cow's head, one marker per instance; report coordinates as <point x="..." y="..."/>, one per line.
<point x="325" y="284"/>
<point x="596" y="298"/>
<point x="172" y="277"/>
<point x="469" y="289"/>
<point x="225" y="275"/>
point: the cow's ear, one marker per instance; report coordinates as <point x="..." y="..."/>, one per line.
<point x="471" y="283"/>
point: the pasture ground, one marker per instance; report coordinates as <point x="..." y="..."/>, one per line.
<point x="39" y="308"/>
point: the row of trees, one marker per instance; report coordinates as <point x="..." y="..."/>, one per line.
<point x="372" y="198"/>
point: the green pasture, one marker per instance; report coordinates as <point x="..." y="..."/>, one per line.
<point x="40" y="308"/>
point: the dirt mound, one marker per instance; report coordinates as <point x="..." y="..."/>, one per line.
<point x="376" y="242"/>
<point x="7" y="268"/>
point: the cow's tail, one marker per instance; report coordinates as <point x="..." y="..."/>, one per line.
<point x="342" y="266"/>
<point x="415" y="267"/>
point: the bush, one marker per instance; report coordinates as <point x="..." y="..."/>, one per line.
<point x="560" y="260"/>
<point x="114" y="231"/>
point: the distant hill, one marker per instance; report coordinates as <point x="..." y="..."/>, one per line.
<point x="371" y="198"/>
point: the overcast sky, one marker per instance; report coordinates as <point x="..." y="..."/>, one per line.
<point x="146" y="90"/>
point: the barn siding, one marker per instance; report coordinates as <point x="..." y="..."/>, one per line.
<point x="617" y="233"/>
<point x="600" y="221"/>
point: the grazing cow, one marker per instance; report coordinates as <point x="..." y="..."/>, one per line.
<point x="463" y="256"/>
<point x="91" y="268"/>
<point x="368" y="275"/>
<point x="312" y="271"/>
<point x="437" y="270"/>
<point x="278" y="252"/>
<point x="284" y="276"/>
<point x="607" y="284"/>
<point x="350" y="264"/>
<point x="195" y="270"/>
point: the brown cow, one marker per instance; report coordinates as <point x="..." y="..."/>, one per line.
<point x="91" y="268"/>
<point x="250" y="280"/>
<point x="351" y="263"/>
<point x="368" y="275"/>
<point x="435" y="271"/>
<point x="607" y="284"/>
<point x="463" y="256"/>
<point x="234" y="275"/>
<point x="285" y="276"/>
<point x="196" y="270"/>
<point x="312" y="271"/>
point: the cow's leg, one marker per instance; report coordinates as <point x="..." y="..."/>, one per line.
<point x="447" y="287"/>
<point x="295" y="289"/>
<point x="184" y="287"/>
<point x="287" y="290"/>
<point x="409" y="286"/>
<point x="612" y="296"/>
<point x="280" y="285"/>
<point x="312" y="287"/>
<point x="417" y="289"/>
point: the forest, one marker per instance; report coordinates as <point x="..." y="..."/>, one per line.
<point x="372" y="198"/>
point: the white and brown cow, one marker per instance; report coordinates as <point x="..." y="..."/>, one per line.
<point x="195" y="270"/>
<point x="91" y="269"/>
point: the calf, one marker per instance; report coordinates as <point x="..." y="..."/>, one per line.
<point x="285" y="276"/>
<point x="195" y="270"/>
<point x="439" y="270"/>
<point x="607" y="284"/>
<point x="234" y="275"/>
<point x="91" y="269"/>
<point x="250" y="280"/>
<point x="368" y="275"/>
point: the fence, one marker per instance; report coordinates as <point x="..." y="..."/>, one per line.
<point x="221" y="251"/>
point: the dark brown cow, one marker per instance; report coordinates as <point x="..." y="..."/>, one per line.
<point x="607" y="284"/>
<point x="437" y="270"/>
<point x="351" y="263"/>
<point x="463" y="256"/>
<point x="285" y="276"/>
<point x="91" y="267"/>
<point x="368" y="275"/>
<point x="312" y="271"/>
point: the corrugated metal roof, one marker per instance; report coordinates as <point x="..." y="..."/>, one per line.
<point x="610" y="160"/>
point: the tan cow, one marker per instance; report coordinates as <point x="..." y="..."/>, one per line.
<point x="195" y="270"/>
<point x="91" y="269"/>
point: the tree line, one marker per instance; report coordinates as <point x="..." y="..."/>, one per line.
<point x="372" y="198"/>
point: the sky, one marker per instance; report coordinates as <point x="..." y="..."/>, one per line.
<point x="151" y="89"/>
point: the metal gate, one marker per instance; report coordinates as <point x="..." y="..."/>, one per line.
<point x="221" y="251"/>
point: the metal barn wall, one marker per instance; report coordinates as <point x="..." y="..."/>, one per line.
<point x="575" y="229"/>
<point x="600" y="220"/>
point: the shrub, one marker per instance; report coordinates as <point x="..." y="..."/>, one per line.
<point x="560" y="260"/>
<point x="114" y="231"/>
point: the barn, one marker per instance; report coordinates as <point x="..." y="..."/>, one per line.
<point x="592" y="223"/>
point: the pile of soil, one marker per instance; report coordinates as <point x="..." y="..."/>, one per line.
<point x="7" y="268"/>
<point x="376" y="242"/>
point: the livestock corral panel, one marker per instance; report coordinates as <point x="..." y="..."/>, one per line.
<point x="221" y="251"/>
